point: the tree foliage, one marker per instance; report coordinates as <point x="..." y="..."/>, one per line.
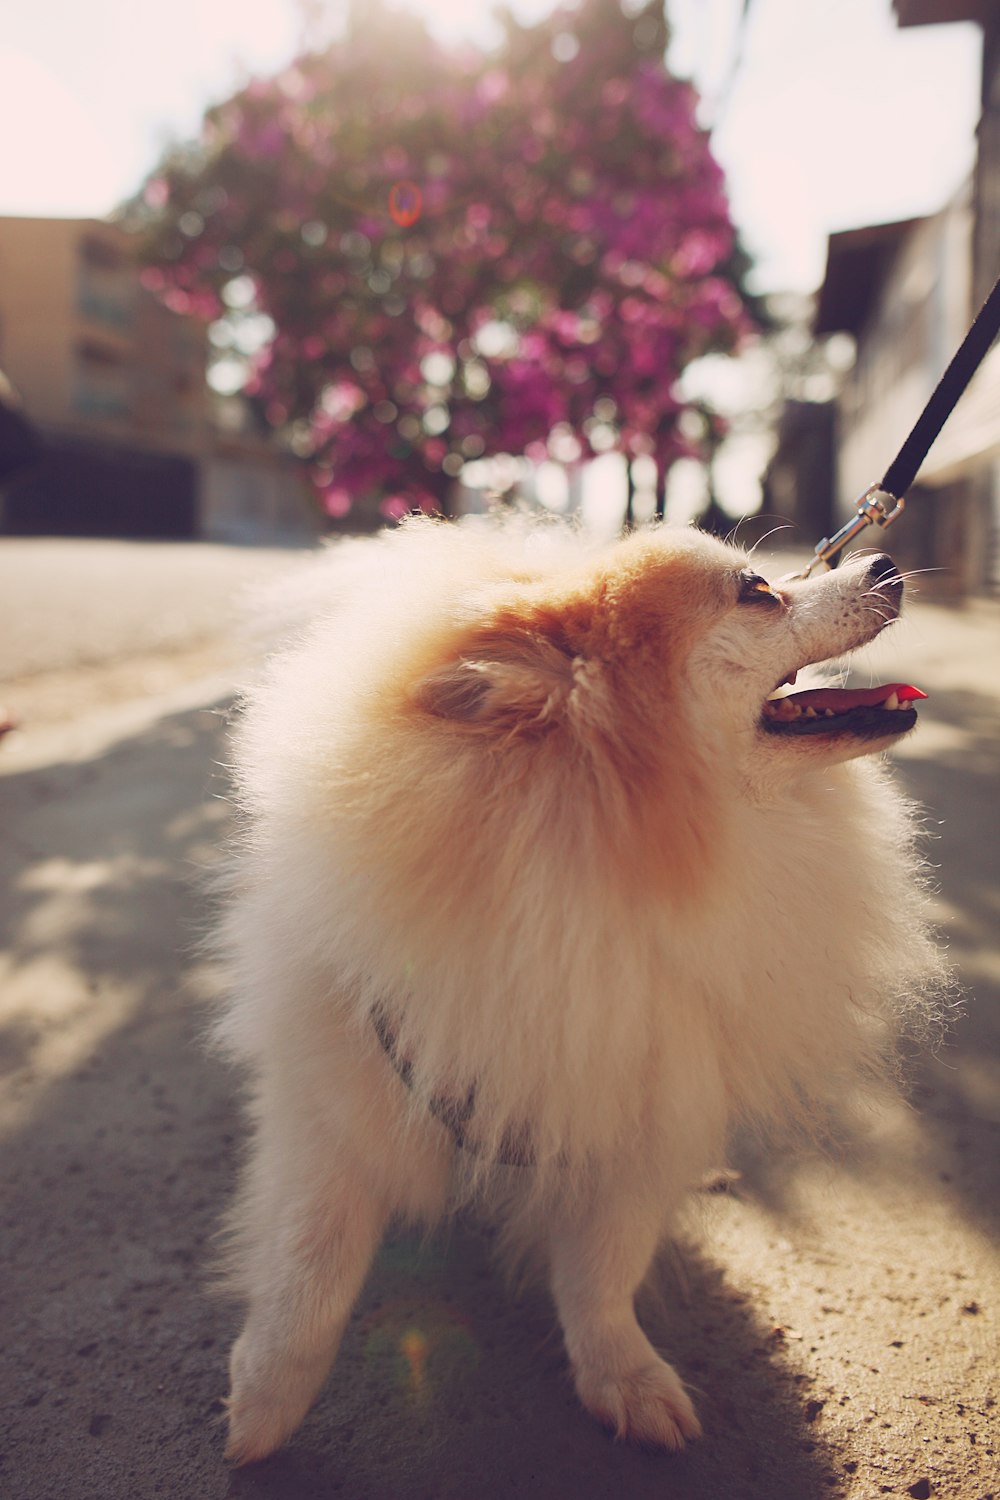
<point x="461" y="255"/>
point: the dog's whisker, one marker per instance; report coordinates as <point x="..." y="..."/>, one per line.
<point x="785" y="526"/>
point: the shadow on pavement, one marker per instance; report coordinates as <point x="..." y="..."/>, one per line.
<point x="120" y="1149"/>
<point x="491" y="1411"/>
<point x="118" y="1135"/>
<point x="953" y="1139"/>
<point x="958" y="1090"/>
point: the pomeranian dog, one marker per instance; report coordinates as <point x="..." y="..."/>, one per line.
<point x="546" y="879"/>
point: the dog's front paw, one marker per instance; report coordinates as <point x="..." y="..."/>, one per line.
<point x="256" y="1430"/>
<point x="266" y="1403"/>
<point x="647" y="1405"/>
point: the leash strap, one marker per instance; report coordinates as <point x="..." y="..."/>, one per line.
<point x="881" y="503"/>
<point x="515" y="1149"/>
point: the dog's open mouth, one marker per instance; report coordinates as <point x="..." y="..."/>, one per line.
<point x="869" y="713"/>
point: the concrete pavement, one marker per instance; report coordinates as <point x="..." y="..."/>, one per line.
<point x="838" y="1317"/>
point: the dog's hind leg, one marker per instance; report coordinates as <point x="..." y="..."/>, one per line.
<point x="599" y="1254"/>
<point x="314" y="1208"/>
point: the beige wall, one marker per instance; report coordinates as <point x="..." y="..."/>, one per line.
<point x="921" y="317"/>
<point x="91" y="351"/>
<point x="35" y="313"/>
<point x="96" y="357"/>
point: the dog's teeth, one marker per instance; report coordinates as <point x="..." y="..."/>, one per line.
<point x="811" y="712"/>
<point x="892" y="701"/>
<point x="784" y="707"/>
<point x="829" y="713"/>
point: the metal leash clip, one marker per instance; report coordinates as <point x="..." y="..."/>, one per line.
<point x="875" y="508"/>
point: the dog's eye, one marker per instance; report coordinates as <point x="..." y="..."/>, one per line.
<point x="755" y="590"/>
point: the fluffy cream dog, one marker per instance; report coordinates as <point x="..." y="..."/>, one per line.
<point x="539" y="891"/>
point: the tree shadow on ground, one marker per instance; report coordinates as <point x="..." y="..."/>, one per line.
<point x="119" y="1133"/>
<point x="957" y="1089"/>
<point x="120" y="1154"/>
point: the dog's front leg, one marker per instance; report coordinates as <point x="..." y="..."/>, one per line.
<point x="600" y="1251"/>
<point x="324" y="1180"/>
<point x="307" y="1268"/>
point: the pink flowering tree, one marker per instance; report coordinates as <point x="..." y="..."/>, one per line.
<point x="459" y="255"/>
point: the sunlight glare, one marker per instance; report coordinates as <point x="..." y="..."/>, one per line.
<point x="67" y="166"/>
<point x="472" y="20"/>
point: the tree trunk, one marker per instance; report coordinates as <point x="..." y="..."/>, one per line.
<point x="629" y="520"/>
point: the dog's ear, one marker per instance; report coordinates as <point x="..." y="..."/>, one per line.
<point x="515" y="684"/>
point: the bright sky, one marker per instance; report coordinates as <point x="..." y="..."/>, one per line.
<point x="834" y="118"/>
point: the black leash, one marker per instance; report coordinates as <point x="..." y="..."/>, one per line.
<point x="881" y="503"/>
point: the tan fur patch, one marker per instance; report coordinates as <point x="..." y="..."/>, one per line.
<point x="581" y="678"/>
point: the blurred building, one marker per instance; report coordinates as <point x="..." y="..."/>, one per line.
<point x="113" y="383"/>
<point x="907" y="293"/>
<point x="986" y="179"/>
<point x="904" y="291"/>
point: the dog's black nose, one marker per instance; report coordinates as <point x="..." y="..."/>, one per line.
<point x="883" y="570"/>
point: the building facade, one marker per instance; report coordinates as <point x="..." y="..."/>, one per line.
<point x="114" y="384"/>
<point x="904" y="291"/>
<point x="986" y="179"/>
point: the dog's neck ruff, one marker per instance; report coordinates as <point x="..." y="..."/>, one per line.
<point x="454" y="1114"/>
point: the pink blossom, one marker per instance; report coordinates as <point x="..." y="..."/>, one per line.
<point x="394" y="507"/>
<point x="336" y="501"/>
<point x="577" y="203"/>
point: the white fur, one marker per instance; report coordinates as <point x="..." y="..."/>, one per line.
<point x="511" y="792"/>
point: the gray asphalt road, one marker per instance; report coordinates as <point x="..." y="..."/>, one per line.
<point x="840" y="1317"/>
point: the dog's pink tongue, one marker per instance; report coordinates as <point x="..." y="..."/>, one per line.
<point x="841" y="699"/>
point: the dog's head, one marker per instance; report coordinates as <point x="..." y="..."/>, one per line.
<point x="753" y="653"/>
<point x="672" y="648"/>
<point x="627" y="697"/>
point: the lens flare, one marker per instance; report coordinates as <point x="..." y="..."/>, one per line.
<point x="419" y="1349"/>
<point x="414" y="1347"/>
<point x="406" y="203"/>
